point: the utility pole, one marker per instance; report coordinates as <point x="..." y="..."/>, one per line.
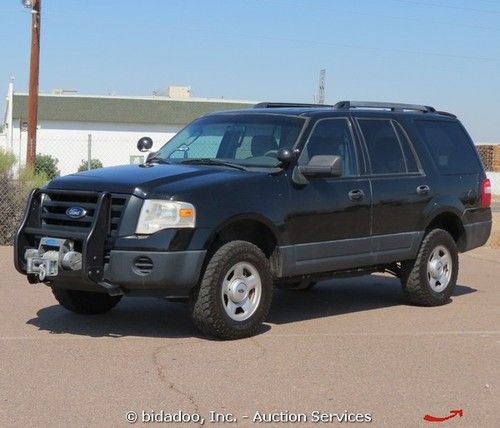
<point x="36" y="6"/>
<point x="321" y="89"/>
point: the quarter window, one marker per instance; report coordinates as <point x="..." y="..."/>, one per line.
<point x="451" y="147"/>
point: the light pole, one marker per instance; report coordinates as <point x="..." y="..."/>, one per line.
<point x="35" y="6"/>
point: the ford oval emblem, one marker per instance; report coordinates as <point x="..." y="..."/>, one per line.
<point x="76" y="212"/>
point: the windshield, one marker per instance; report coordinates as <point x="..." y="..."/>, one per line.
<point x="247" y="140"/>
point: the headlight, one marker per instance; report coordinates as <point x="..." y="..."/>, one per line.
<point x="159" y="214"/>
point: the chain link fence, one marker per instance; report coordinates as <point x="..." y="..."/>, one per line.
<point x="62" y="154"/>
<point x="58" y="156"/>
<point x="88" y="151"/>
<point x="12" y="198"/>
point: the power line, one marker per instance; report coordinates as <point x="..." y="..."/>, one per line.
<point x="309" y="42"/>
<point x="386" y="16"/>
<point x="327" y="43"/>
<point x="342" y="45"/>
<point x="447" y="6"/>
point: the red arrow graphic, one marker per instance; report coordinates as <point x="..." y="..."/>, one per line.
<point x="453" y="413"/>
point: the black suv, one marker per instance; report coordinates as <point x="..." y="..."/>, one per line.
<point x="279" y="195"/>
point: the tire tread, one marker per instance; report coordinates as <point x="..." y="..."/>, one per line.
<point x="414" y="280"/>
<point x="206" y="312"/>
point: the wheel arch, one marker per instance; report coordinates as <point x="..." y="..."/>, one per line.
<point x="449" y="219"/>
<point x="251" y="227"/>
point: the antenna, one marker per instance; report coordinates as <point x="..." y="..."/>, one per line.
<point x="321" y="90"/>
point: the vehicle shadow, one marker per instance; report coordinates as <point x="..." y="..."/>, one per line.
<point x="142" y="317"/>
<point x="341" y="296"/>
<point x="151" y="317"/>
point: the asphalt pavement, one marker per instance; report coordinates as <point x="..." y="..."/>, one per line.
<point x="347" y="347"/>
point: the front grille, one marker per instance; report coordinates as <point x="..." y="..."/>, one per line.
<point x="55" y="204"/>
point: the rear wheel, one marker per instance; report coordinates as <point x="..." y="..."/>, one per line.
<point x="235" y="293"/>
<point x="85" y="302"/>
<point x="430" y="279"/>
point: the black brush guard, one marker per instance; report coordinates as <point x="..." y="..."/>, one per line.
<point x="93" y="241"/>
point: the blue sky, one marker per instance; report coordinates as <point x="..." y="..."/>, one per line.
<point x="445" y="53"/>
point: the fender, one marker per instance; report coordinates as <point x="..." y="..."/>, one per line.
<point x="439" y="205"/>
<point x="259" y="218"/>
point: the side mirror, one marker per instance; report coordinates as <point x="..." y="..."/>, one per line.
<point x="285" y="155"/>
<point x="323" y="166"/>
<point x="144" y="144"/>
<point x="318" y="166"/>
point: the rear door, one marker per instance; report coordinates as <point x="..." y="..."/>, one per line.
<point x="400" y="189"/>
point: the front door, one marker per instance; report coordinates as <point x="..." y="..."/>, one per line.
<point x="329" y="221"/>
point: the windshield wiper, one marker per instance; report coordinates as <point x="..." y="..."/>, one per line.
<point x="209" y="161"/>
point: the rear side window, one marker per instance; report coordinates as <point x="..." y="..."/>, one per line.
<point x="384" y="148"/>
<point x="450" y="146"/>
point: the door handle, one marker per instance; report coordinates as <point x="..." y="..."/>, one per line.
<point x="423" y="190"/>
<point x="356" y="195"/>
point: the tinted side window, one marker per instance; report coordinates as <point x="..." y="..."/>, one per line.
<point x="449" y="145"/>
<point x="332" y="137"/>
<point x="411" y="161"/>
<point x="384" y="149"/>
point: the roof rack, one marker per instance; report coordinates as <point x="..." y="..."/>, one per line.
<point x="445" y="113"/>
<point x="382" y="105"/>
<point x="288" y="105"/>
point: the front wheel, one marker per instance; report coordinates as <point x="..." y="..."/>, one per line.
<point x="85" y="302"/>
<point x="235" y="293"/>
<point x="430" y="279"/>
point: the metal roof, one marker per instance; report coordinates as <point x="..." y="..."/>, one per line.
<point x="147" y="110"/>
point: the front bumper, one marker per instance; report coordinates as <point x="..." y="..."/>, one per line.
<point x="140" y="270"/>
<point x="140" y="273"/>
<point x="174" y="273"/>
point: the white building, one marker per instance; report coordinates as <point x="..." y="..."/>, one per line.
<point x="67" y="121"/>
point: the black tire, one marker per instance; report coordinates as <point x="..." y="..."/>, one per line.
<point x="208" y="310"/>
<point x="85" y="302"/>
<point x="415" y="275"/>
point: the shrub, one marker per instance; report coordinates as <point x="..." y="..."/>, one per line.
<point x="14" y="194"/>
<point x="7" y="161"/>
<point x="94" y="164"/>
<point x="48" y="165"/>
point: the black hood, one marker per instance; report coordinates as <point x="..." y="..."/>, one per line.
<point x="139" y="179"/>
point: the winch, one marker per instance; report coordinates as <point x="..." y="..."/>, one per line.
<point x="52" y="254"/>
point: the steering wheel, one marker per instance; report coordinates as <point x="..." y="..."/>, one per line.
<point x="271" y="153"/>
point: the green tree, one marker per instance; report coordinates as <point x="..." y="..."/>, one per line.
<point x="94" y="164"/>
<point x="46" y="164"/>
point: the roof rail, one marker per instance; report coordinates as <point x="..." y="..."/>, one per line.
<point x="445" y="113"/>
<point x="288" y="105"/>
<point x="382" y="105"/>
